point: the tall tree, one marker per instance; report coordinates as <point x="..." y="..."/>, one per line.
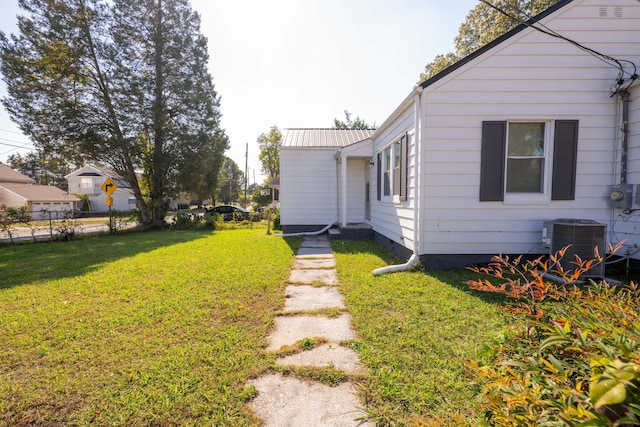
<point x="45" y="170"/>
<point x="122" y="82"/>
<point x="230" y="182"/>
<point x="484" y="24"/>
<point x="350" y="123"/>
<point x="269" y="155"/>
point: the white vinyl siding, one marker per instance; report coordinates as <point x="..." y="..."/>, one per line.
<point x="389" y="217"/>
<point x="308" y="186"/>
<point x="529" y="76"/>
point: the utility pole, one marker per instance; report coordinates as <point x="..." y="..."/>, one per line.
<point x="246" y="174"/>
<point x="230" y="179"/>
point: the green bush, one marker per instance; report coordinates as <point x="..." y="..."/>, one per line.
<point x="11" y="218"/>
<point x="577" y="361"/>
<point x="122" y="219"/>
<point x="184" y="221"/>
<point x="276" y="221"/>
<point x="214" y="221"/>
<point x="67" y="227"/>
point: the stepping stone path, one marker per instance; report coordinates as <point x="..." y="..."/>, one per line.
<point x="288" y="401"/>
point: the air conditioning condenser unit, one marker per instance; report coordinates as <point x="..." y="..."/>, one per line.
<point x="582" y="236"/>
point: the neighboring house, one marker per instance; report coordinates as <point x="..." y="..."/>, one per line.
<point x="528" y="129"/>
<point x="88" y="181"/>
<point x="18" y="190"/>
<point x="274" y="186"/>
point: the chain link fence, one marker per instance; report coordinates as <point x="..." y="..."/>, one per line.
<point x="19" y="224"/>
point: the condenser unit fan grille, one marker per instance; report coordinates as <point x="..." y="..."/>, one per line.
<point x="582" y="236"/>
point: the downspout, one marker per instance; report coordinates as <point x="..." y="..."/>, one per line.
<point x="343" y="187"/>
<point x="417" y="198"/>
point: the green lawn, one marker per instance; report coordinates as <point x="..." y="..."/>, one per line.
<point x="138" y="329"/>
<point x="165" y="328"/>
<point x="415" y="329"/>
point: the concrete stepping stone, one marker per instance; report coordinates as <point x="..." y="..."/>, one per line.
<point x="312" y="263"/>
<point x="310" y="277"/>
<point x="315" y="243"/>
<point x="286" y="401"/>
<point x="305" y="297"/>
<point x="328" y="255"/>
<point x="315" y="251"/>
<point x="325" y="355"/>
<point x="290" y="329"/>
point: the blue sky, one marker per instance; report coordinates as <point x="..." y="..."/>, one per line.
<point x="301" y="63"/>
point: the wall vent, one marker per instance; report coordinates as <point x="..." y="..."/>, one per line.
<point x="604" y="12"/>
<point x="582" y="236"/>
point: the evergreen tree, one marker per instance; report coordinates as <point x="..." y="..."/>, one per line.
<point x="121" y="82"/>
<point x="45" y="170"/>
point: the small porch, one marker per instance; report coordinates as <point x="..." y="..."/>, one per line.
<point x="354" y="188"/>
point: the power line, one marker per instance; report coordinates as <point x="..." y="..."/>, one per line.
<point x="16" y="146"/>
<point x="11" y="131"/>
<point x="609" y="60"/>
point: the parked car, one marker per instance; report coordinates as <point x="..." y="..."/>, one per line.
<point x="229" y="212"/>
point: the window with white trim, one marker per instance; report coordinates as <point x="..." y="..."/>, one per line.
<point x="392" y="170"/>
<point x="387" y="171"/>
<point x="526" y="157"/>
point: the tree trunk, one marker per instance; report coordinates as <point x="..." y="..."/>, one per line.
<point x="157" y="180"/>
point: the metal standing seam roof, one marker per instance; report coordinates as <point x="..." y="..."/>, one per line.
<point x="323" y="138"/>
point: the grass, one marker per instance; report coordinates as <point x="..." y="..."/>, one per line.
<point x="138" y="329"/>
<point x="415" y="329"/>
<point x="166" y="328"/>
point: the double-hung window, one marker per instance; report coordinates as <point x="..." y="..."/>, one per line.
<point x="525" y="157"/>
<point x="388" y="155"/>
<point x="527" y="162"/>
<point x="392" y="170"/>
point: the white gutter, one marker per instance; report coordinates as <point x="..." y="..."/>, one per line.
<point x="417" y="198"/>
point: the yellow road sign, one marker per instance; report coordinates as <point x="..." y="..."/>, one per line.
<point x="109" y="200"/>
<point x="109" y="187"/>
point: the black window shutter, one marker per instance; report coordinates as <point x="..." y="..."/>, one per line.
<point x="492" y="161"/>
<point x="565" y="153"/>
<point x="379" y="184"/>
<point x="404" y="164"/>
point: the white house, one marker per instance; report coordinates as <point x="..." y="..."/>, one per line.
<point x="309" y="170"/>
<point x="18" y="190"/>
<point x="541" y="124"/>
<point x="88" y="181"/>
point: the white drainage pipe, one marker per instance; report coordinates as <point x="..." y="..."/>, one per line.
<point x="398" y="267"/>
<point x="306" y="233"/>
